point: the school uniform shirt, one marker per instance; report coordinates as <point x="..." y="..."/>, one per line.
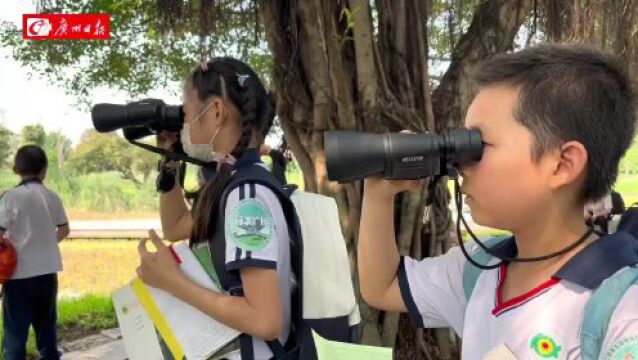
<point x="257" y="236"/>
<point x="30" y="214"/>
<point x="541" y="324"/>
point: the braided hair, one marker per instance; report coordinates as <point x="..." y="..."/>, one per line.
<point x="236" y="82"/>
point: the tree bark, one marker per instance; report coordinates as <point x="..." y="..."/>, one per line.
<point x="492" y="30"/>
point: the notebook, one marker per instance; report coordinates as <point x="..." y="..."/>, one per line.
<point x="138" y="331"/>
<point x="501" y="352"/>
<point x="186" y="331"/>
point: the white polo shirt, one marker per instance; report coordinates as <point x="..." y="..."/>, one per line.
<point x="541" y="324"/>
<point x="30" y="214"/>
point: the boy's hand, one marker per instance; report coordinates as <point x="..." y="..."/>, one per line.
<point x="377" y="250"/>
<point x="389" y="188"/>
<point x="383" y="188"/>
<point x="158" y="269"/>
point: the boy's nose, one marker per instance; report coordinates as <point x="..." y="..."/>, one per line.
<point x="464" y="171"/>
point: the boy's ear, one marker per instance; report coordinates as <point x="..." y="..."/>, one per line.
<point x="570" y="163"/>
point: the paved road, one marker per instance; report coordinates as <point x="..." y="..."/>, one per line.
<point x="138" y="228"/>
<point x="113" y="229"/>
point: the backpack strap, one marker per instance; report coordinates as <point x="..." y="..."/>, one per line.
<point x="629" y="220"/>
<point x="600" y="308"/>
<point x="247" y="171"/>
<point x="470" y="272"/>
<point x="256" y="174"/>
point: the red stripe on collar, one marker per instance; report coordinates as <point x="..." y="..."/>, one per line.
<point x="504" y="306"/>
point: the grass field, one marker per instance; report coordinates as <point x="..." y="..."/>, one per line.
<point x="627" y="185"/>
<point x="96" y="266"/>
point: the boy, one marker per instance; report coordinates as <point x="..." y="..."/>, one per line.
<point x="555" y="121"/>
<point x="33" y="219"/>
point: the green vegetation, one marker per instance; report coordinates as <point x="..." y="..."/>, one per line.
<point x="102" y="174"/>
<point x="627" y="185"/>
<point x="89" y="313"/>
<point x="629" y="164"/>
<point x="97" y="192"/>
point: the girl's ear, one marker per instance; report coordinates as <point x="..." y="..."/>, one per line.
<point x="219" y="110"/>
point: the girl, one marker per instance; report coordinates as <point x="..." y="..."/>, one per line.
<point x="227" y="112"/>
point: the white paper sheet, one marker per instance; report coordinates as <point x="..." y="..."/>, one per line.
<point x="138" y="332"/>
<point x="199" y="334"/>
<point x="501" y="352"/>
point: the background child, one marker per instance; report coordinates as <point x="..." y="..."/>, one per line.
<point x="33" y="219"/>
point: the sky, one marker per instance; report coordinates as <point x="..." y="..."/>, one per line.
<point x="25" y="101"/>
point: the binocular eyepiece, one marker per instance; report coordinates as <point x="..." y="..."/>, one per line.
<point x="355" y="155"/>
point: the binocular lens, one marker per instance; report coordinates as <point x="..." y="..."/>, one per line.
<point x="355" y="155"/>
<point x="138" y="119"/>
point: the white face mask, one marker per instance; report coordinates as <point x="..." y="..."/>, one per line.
<point x="203" y="152"/>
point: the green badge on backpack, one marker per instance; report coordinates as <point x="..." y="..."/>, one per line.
<point x="250" y="225"/>
<point x="625" y="348"/>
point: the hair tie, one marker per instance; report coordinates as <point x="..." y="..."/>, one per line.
<point x="598" y="208"/>
<point x="204" y="64"/>
<point x="225" y="159"/>
<point x="241" y="79"/>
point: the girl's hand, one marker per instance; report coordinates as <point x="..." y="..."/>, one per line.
<point x="157" y="269"/>
<point x="167" y="139"/>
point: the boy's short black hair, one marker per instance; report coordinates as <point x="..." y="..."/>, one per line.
<point x="571" y="93"/>
<point x="30" y="160"/>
